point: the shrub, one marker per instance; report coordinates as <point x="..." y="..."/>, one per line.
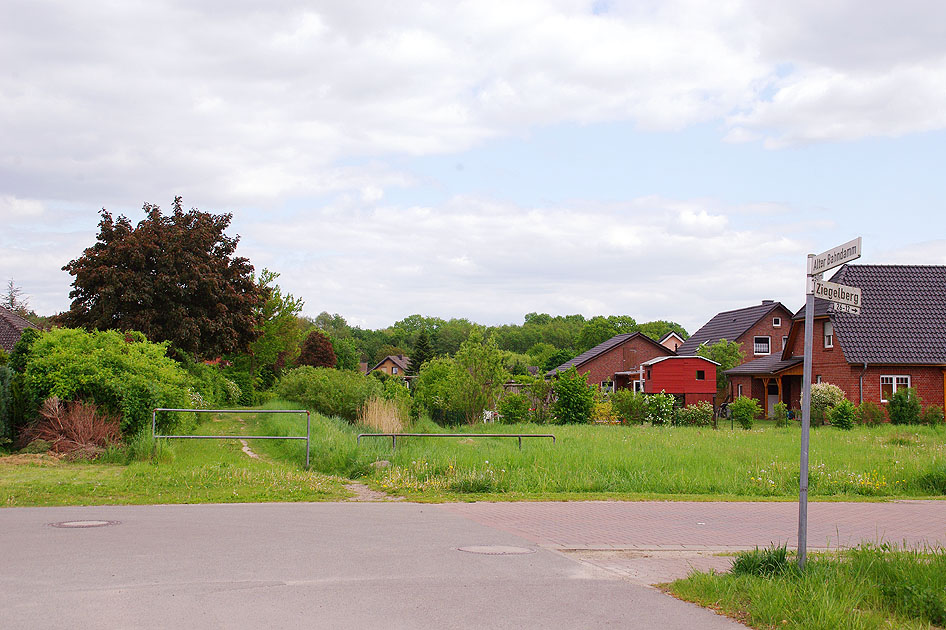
<point x="514" y="408"/>
<point x="824" y="396"/>
<point x="630" y="406"/>
<point x="780" y="414"/>
<point x="698" y="415"/>
<point x="660" y="408"/>
<point x="6" y="415"/>
<point x="767" y="562"/>
<point x="932" y="415"/>
<point x="575" y="399"/>
<point x="603" y="413"/>
<point x="76" y="428"/>
<point x="871" y="414"/>
<point x="745" y="410"/>
<point x="842" y="415"/>
<point x="904" y="406"/>
<point x="328" y="391"/>
<point x="122" y="373"/>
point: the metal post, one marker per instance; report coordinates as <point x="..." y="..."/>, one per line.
<point x="805" y="422"/>
<point x="520" y="442"/>
<point x="308" y="424"/>
<point x="393" y="441"/>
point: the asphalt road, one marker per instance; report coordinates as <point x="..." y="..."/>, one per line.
<point x="325" y="565"/>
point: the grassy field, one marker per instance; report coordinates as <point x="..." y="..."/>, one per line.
<point x="596" y="462"/>
<point x="192" y="471"/>
<point x="865" y="588"/>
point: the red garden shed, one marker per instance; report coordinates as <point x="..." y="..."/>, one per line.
<point x="689" y="377"/>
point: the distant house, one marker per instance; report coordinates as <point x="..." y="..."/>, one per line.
<point x="672" y="340"/>
<point x="615" y="363"/>
<point x="689" y="378"/>
<point x="761" y="330"/>
<point x="11" y="328"/>
<point x="395" y="365"/>
<point x="897" y="340"/>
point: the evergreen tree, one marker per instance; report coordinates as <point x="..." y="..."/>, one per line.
<point x="422" y="352"/>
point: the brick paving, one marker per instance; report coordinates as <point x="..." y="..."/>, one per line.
<point x="694" y="526"/>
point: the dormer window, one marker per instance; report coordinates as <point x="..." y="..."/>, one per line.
<point x="828" y="335"/>
<point x="776" y="322"/>
<point x="762" y="345"/>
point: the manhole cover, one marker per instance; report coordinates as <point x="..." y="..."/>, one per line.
<point x="497" y="550"/>
<point x="82" y="524"/>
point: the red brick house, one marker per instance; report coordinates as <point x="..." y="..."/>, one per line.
<point x="615" y="363"/>
<point x="691" y="379"/>
<point x="11" y="328"/>
<point x="761" y="330"/>
<point x="897" y="340"/>
<point x="395" y="365"/>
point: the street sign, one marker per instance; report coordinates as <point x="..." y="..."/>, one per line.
<point x="835" y="257"/>
<point x="837" y="293"/>
<point x="844" y="308"/>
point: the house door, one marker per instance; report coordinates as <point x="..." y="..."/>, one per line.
<point x="772" y="397"/>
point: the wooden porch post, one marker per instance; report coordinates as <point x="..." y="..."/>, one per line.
<point x="765" y="396"/>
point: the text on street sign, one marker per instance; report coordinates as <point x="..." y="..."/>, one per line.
<point x="835" y="257"/>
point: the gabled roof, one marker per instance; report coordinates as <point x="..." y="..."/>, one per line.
<point x="399" y="360"/>
<point x="729" y="325"/>
<point x="771" y="364"/>
<point x="603" y="347"/>
<point x="692" y="356"/>
<point x="902" y="318"/>
<point x="11" y="327"/>
<point x="670" y="334"/>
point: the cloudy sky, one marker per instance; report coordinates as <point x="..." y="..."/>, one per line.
<point x="665" y="159"/>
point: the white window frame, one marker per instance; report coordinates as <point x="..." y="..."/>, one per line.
<point x="639" y="386"/>
<point x="607" y="386"/>
<point x="776" y="322"/>
<point x="394" y="370"/>
<point x="828" y="335"/>
<point x="896" y="381"/>
<point x="784" y="341"/>
<point x="756" y="344"/>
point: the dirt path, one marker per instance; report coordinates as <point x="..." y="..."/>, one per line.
<point x="365" y="494"/>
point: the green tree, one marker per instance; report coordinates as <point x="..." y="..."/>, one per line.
<point x="597" y="330"/>
<point x="557" y="359"/>
<point x="421" y="353"/>
<point x="280" y="330"/>
<point x="175" y="278"/>
<point x="14" y="300"/>
<point x="346" y="354"/>
<point x="574" y="398"/>
<point x="905" y="406"/>
<point x="658" y="329"/>
<point x="480" y="376"/>
<point x="317" y="351"/>
<point x="728" y="354"/>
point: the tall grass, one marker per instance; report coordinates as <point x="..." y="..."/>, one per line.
<point x="386" y="416"/>
<point x="640" y="460"/>
<point x="872" y="586"/>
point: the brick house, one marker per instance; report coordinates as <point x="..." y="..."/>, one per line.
<point x="395" y="365"/>
<point x="897" y="340"/>
<point x="615" y="363"/>
<point x="11" y="328"/>
<point x="761" y="330"/>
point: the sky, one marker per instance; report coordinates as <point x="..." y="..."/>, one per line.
<point x="664" y="160"/>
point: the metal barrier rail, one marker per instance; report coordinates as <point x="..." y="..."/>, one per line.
<point x="395" y="436"/>
<point x="308" y="419"/>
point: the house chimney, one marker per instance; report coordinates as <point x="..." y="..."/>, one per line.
<point x="767" y="302"/>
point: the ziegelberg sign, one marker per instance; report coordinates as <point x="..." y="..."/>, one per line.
<point x="838" y="293"/>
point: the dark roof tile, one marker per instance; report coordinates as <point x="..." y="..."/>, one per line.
<point x="11" y="327"/>
<point x="729" y="325"/>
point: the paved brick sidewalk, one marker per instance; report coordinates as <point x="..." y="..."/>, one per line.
<point x="679" y="525"/>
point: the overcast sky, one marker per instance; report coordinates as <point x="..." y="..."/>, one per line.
<point x="665" y="160"/>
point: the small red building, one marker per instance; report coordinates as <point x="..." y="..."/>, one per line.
<point x="690" y="378"/>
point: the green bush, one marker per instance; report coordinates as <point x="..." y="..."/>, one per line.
<point x="328" y="391"/>
<point x="904" y="406"/>
<point x="698" y="415"/>
<point x="931" y="415"/>
<point x="6" y="416"/>
<point x="575" y="399"/>
<point x="660" y="408"/>
<point x="123" y="373"/>
<point x="780" y="414"/>
<point x="514" y="408"/>
<point x="214" y="389"/>
<point x="630" y="406"/>
<point x="842" y="415"/>
<point x="745" y="410"/>
<point x="871" y="414"/>
<point x="824" y="396"/>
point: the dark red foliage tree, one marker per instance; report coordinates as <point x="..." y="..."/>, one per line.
<point x="174" y="278"/>
<point x="317" y="351"/>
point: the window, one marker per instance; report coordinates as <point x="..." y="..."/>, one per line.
<point x="776" y="322"/>
<point x="828" y="335"/>
<point x="817" y="378"/>
<point x="891" y="383"/>
<point x="638" y="386"/>
<point x="607" y="386"/>
<point x="701" y="375"/>
<point x="784" y="342"/>
<point x="394" y="370"/>
<point x="648" y="374"/>
<point x="762" y="345"/>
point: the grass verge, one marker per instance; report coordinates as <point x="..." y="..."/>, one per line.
<point x="869" y="587"/>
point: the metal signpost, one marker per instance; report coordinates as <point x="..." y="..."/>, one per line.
<point x="849" y="298"/>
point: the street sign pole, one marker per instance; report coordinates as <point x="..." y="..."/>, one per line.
<point x="805" y="420"/>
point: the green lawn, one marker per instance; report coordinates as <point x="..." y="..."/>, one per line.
<point x="636" y="462"/>
<point x="865" y="588"/>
